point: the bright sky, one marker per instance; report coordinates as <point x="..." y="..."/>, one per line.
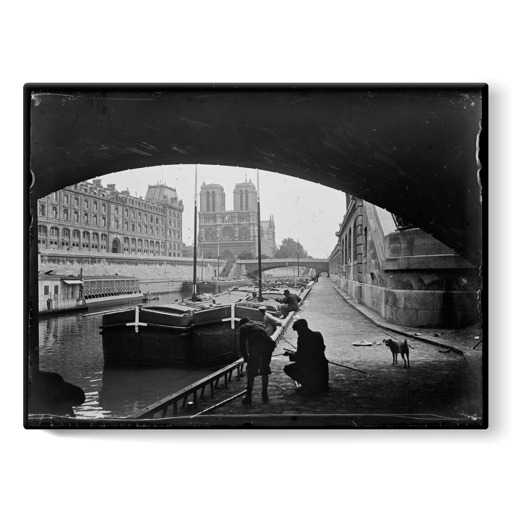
<point x="302" y="209"/>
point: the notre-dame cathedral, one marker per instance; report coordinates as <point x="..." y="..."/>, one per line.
<point x="233" y="233"/>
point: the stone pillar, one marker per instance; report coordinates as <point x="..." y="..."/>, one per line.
<point x="359" y="235"/>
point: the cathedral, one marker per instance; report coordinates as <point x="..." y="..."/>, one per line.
<point x="232" y="233"/>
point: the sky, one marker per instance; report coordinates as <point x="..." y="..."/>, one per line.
<point x="302" y="210"/>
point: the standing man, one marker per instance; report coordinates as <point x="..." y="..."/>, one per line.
<point x="310" y="364"/>
<point x="290" y="302"/>
<point x="257" y="347"/>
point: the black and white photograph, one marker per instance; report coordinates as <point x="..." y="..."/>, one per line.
<point x="255" y="255"/>
<point x="267" y="256"/>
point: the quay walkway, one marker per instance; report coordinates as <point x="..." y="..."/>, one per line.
<point x="441" y="389"/>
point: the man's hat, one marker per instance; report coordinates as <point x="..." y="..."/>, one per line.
<point x="286" y="292"/>
<point x="301" y="323"/>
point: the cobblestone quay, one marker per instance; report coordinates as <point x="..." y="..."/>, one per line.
<point x="441" y="389"/>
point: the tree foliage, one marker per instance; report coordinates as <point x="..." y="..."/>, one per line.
<point x="290" y="248"/>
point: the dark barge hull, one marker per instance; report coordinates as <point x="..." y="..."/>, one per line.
<point x="156" y="336"/>
<point x="154" y="344"/>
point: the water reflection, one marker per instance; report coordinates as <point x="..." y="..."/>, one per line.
<point x="71" y="346"/>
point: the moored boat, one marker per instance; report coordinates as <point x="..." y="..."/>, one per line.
<point x="201" y="333"/>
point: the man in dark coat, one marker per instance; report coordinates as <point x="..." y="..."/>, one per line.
<point x="290" y="302"/>
<point x="310" y="364"/>
<point x="257" y="347"/>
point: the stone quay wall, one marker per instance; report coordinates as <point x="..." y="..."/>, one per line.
<point x="147" y="269"/>
<point x="417" y="308"/>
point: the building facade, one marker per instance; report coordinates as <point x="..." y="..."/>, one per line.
<point x="232" y="233"/>
<point x="90" y="218"/>
<point x="401" y="272"/>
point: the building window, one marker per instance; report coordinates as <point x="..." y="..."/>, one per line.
<point x="42" y="209"/>
<point x="86" y="203"/>
<point x="354" y="245"/>
<point x="95" y="219"/>
<point x="365" y="243"/>
<point x="75" y="216"/>
<point x="56" y="290"/>
<point x="77" y="201"/>
<point x="95" y="205"/>
<point x="349" y="245"/>
<point x="46" y="289"/>
<point x="66" y="199"/>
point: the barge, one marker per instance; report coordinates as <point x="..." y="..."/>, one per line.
<point x="202" y="333"/>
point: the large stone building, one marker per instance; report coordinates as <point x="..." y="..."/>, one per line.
<point x="89" y="218"/>
<point x="401" y="272"/>
<point x="235" y="232"/>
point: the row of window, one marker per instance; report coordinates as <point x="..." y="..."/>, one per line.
<point x="77" y="246"/>
<point x="224" y="218"/>
<point x="349" y="245"/>
<point x="156" y="231"/>
<point x="96" y="206"/>
<point x="66" y="234"/>
<point x="99" y="242"/>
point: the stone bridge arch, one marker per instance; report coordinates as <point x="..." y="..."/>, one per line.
<point x="251" y="266"/>
<point x="410" y="149"/>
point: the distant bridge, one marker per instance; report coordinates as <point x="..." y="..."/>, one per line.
<point x="251" y="266"/>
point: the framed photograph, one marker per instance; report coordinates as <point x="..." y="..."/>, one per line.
<point x="256" y="256"/>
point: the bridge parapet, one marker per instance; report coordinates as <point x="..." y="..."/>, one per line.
<point x="251" y="266"/>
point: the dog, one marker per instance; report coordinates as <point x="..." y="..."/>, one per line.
<point x="398" y="347"/>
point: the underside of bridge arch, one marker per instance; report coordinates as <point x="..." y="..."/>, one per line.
<point x="412" y="150"/>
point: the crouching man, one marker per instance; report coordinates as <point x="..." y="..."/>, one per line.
<point x="257" y="347"/>
<point x="309" y="366"/>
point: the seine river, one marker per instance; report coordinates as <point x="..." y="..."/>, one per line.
<point x="71" y="346"/>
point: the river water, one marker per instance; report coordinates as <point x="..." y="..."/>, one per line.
<point x="71" y="346"/>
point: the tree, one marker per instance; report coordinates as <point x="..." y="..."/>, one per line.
<point x="290" y="248"/>
<point x="247" y="255"/>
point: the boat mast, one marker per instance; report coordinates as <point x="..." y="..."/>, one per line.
<point x="260" y="296"/>
<point x="298" y="259"/>
<point x="194" y="286"/>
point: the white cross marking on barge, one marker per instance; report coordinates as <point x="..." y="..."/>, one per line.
<point x="233" y="317"/>
<point x="137" y="323"/>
